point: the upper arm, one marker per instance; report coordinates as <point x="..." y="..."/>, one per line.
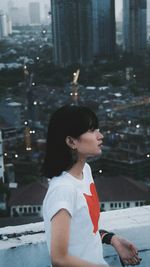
<point x="60" y="229"/>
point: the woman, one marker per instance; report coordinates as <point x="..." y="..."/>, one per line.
<point x="71" y="206"/>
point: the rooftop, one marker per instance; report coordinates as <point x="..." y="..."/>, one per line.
<point x="25" y="245"/>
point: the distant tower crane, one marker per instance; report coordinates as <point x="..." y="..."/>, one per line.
<point x="74" y="86"/>
<point x="29" y="101"/>
<point x="27" y="136"/>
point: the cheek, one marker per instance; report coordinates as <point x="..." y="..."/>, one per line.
<point x="87" y="144"/>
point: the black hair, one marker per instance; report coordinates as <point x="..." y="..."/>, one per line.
<point x="66" y="121"/>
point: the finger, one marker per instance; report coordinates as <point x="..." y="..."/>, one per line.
<point x="133" y="261"/>
<point x="133" y="249"/>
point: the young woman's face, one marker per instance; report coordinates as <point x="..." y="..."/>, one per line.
<point x="89" y="143"/>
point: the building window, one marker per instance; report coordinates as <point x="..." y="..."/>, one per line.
<point x="136" y="204"/>
<point x="119" y="205"/>
<point x="39" y="208"/>
<point x="116" y="205"/>
<point x="29" y="209"/>
<point x="25" y="210"/>
<point x="34" y="209"/>
<point x="20" y="209"/>
<point x="128" y="204"/>
<point x="111" y="205"/>
<point x="141" y="203"/>
<point x="102" y="206"/>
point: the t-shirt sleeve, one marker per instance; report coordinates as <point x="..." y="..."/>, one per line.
<point x="61" y="197"/>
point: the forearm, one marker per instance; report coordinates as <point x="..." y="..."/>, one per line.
<point x="72" y="261"/>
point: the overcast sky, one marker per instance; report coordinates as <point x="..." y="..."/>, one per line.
<point x="3" y="3"/>
<point x="19" y="3"/>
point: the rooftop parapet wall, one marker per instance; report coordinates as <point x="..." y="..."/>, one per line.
<point x="24" y="245"/>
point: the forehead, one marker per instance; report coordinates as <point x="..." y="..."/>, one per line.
<point x="87" y="135"/>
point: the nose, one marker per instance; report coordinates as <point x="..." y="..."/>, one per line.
<point x="99" y="135"/>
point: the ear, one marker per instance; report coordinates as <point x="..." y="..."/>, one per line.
<point x="70" y="142"/>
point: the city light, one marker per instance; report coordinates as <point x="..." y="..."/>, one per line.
<point x="16" y="155"/>
<point x="32" y="132"/>
<point x="148" y="156"/>
<point x="100" y="171"/>
<point x="28" y="148"/>
<point x="138" y="126"/>
<point x="35" y="103"/>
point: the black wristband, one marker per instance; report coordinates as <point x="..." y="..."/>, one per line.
<point x="107" y="236"/>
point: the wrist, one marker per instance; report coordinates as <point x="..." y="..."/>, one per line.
<point x="114" y="240"/>
<point x="107" y="238"/>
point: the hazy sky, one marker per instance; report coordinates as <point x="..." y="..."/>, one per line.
<point x="3" y="3"/>
<point x="19" y="3"/>
<point x="23" y="3"/>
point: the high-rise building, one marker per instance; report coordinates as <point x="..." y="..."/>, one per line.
<point x="72" y="31"/>
<point x="34" y="12"/>
<point x="3" y="25"/>
<point x="1" y="158"/>
<point x="134" y="26"/>
<point x="104" y="28"/>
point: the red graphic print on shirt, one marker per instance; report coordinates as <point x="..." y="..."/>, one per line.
<point x="93" y="206"/>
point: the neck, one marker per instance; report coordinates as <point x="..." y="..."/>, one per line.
<point x="77" y="169"/>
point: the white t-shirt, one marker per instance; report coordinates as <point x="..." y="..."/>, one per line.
<point x="80" y="199"/>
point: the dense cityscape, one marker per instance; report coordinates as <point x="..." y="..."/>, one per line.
<point x="75" y="53"/>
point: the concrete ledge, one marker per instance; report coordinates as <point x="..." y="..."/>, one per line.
<point x="24" y="245"/>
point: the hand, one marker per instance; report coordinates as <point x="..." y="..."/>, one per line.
<point x="126" y="250"/>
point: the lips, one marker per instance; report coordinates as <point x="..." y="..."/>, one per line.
<point x="100" y="144"/>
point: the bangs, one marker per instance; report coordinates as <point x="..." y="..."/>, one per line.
<point x="83" y="119"/>
<point x="90" y="121"/>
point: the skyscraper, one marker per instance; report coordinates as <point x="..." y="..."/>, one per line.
<point x="1" y="158"/>
<point x="104" y="28"/>
<point x="34" y="12"/>
<point x="134" y="26"/>
<point x="72" y="31"/>
<point x="3" y="25"/>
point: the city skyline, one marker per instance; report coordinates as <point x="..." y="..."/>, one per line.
<point x="25" y="3"/>
<point x="3" y="5"/>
